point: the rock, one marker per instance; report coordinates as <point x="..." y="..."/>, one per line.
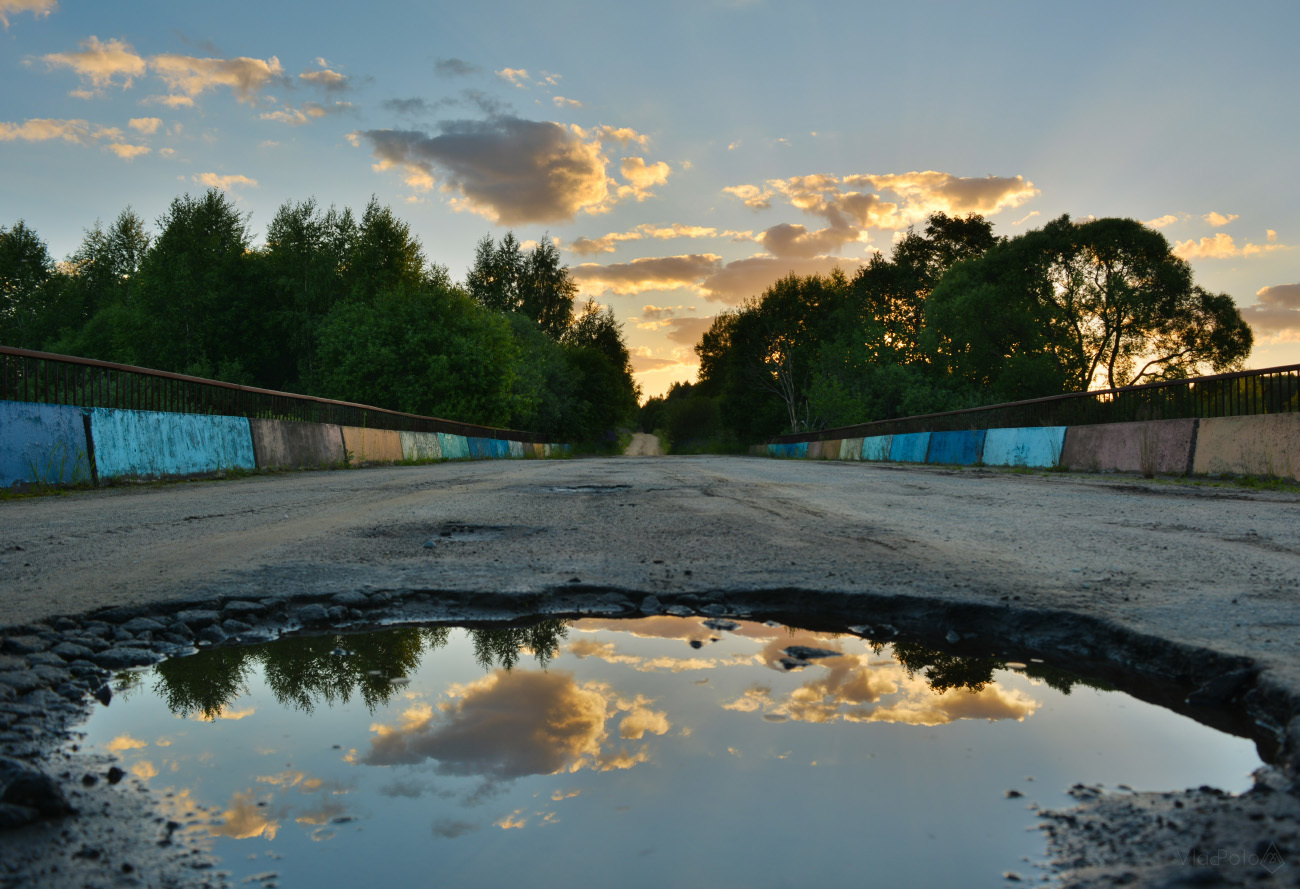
<point x="121" y="658"/>
<point x="338" y="613"/>
<point x="680" y="610"/>
<point x="45" y="659"/>
<point x="86" y="640"/>
<point x="352" y="599"/>
<point x="16" y="816"/>
<point x="21" y="681"/>
<point x="721" y="624"/>
<point x="32" y="788"/>
<point x="806" y="653"/>
<point x="198" y="618"/>
<point x="115" y="775"/>
<point x="144" y="625"/>
<point x="64" y="624"/>
<point x="52" y="675"/>
<point x="651" y="605"/>
<point x="24" y="644"/>
<point x="696" y="643"/>
<point x="71" y="651"/>
<point x="1221" y="689"/>
<point x="235" y="627"/>
<point x="212" y="634"/>
<point x="313" y="614"/>
<point x="1013" y="794"/>
<point x="953" y="637"/>
<point x="103" y="694"/>
<point x="241" y="608"/>
<point x="714" y="610"/>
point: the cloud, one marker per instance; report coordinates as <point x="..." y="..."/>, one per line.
<point x="1162" y="221"/>
<point x="517" y="76"/>
<point x="508" y="725"/>
<point x="406" y="106"/>
<point x="510" y="170"/>
<point x="624" y="136"/>
<point x="79" y="132"/>
<point x="306" y="113"/>
<point x="146" y="125"/>
<point x="786" y="240"/>
<point x="455" y="68"/>
<point x="325" y="78"/>
<point x="739" y="280"/>
<point x="648" y="273"/>
<point x="170" y="101"/>
<point x="1270" y="235"/>
<point x="755" y="198"/>
<point x="1028" y="216"/>
<point x="225" y="183"/>
<point x="562" y="102"/>
<point x="688" y="331"/>
<point x="450" y="828"/>
<point x="194" y="76"/>
<point x="127" y="152"/>
<point x="920" y="195"/>
<point x="100" y="63"/>
<point x="38" y="8"/>
<point x="1222" y="246"/>
<point x="1218" y="220"/>
<point x="643" y="360"/>
<point x="609" y="243"/>
<point x="1276" y="316"/>
<point x="641" y="177"/>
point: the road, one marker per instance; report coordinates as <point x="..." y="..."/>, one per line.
<point x="1210" y="566"/>
<point x="1161" y="581"/>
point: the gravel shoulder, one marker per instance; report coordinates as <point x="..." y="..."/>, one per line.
<point x="1191" y="584"/>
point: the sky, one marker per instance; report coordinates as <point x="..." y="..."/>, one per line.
<point x="682" y="156"/>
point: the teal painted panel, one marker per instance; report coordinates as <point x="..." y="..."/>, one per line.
<point x="479" y="448"/>
<point x="454" y="447"/>
<point x="960" y="448"/>
<point x="420" y="446"/>
<point x="42" y="444"/>
<point x="1038" y="446"/>
<point x="909" y="447"/>
<point x="877" y="447"/>
<point x="152" y="444"/>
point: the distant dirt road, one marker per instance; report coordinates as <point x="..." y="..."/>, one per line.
<point x="643" y="444"/>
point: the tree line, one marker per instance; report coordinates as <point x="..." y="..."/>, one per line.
<point x="954" y="317"/>
<point x="332" y="304"/>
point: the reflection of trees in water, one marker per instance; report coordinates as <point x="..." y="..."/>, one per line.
<point x="493" y="647"/>
<point x="303" y="671"/>
<point x="944" y="670"/>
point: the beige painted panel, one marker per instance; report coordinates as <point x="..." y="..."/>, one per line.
<point x="372" y="445"/>
<point x="1262" y="445"/>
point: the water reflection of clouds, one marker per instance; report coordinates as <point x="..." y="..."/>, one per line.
<point x="507" y="725"/>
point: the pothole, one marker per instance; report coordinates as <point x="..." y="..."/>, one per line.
<point x="497" y="749"/>
<point x="588" y="489"/>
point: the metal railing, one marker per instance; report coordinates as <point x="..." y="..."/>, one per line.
<point x="1272" y="390"/>
<point x="46" y="378"/>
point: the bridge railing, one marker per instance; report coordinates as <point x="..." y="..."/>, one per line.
<point x="1271" y="390"/>
<point x="47" y="378"/>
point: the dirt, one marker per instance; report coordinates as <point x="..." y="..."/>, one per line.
<point x="643" y="444"/>
<point x="1184" y="595"/>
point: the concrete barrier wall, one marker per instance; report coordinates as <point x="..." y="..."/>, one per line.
<point x="963" y="448"/>
<point x="454" y="447"/>
<point x="153" y="444"/>
<point x="1154" y="446"/>
<point x="282" y="444"/>
<point x="43" y="444"/>
<point x="910" y="447"/>
<point x="420" y="446"/>
<point x="851" y="449"/>
<point x="1261" y="445"/>
<point x="372" y="445"/>
<point x="1037" y="446"/>
<point x="877" y="447"/>
<point x="517" y="449"/>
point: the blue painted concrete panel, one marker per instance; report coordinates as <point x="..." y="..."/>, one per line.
<point x="151" y="443"/>
<point x="478" y="447"/>
<point x="499" y="449"/>
<point x="454" y="447"/>
<point x="1033" y="446"/>
<point x="877" y="447"/>
<point x="909" y="447"/>
<point x="962" y="448"/>
<point x="42" y="444"/>
<point x="790" y="451"/>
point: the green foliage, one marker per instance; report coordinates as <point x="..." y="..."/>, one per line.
<point x="506" y="279"/>
<point x="29" y="288"/>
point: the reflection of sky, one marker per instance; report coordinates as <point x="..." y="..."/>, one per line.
<point x="623" y="756"/>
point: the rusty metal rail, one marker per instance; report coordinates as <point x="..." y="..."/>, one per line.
<point x="1272" y="390"/>
<point x="47" y="378"/>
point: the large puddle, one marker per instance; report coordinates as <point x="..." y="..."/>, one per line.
<point x="664" y="751"/>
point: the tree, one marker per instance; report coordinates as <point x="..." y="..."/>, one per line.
<point x="383" y="254"/>
<point x="506" y="279"/>
<point x="1077" y="305"/>
<point x="605" y="393"/>
<point x="27" y="288"/>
